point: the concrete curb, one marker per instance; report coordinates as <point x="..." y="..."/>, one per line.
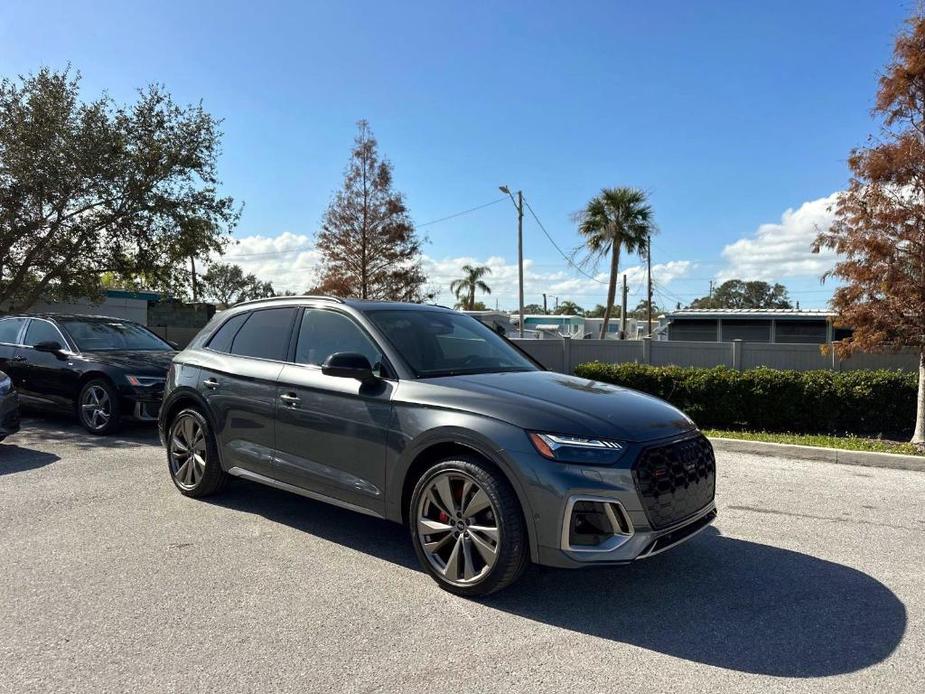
<point x="828" y="455"/>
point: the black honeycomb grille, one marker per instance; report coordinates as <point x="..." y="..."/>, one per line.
<point x="676" y="480"/>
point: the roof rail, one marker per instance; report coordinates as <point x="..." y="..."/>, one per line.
<point x="283" y="298"/>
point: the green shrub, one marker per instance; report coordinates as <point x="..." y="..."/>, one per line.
<point x="866" y="403"/>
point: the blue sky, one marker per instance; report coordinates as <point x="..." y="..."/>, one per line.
<point x="729" y="113"/>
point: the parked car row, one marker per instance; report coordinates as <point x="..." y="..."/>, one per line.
<point x="416" y="414"/>
<point x="105" y="370"/>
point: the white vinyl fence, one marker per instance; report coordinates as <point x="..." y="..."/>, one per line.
<point x="564" y="355"/>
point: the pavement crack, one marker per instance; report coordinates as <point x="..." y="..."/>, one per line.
<point x="854" y="521"/>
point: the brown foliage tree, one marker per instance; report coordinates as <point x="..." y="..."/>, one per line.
<point x="879" y="227"/>
<point x="367" y="241"/>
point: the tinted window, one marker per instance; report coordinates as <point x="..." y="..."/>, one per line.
<point x="221" y="340"/>
<point x="9" y="329"/>
<point x="111" y="335"/>
<point x="42" y="331"/>
<point x="265" y="334"/>
<point x="323" y="333"/>
<point x="442" y="343"/>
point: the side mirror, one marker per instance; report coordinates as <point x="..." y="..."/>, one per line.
<point x="50" y="346"/>
<point x="348" y="365"/>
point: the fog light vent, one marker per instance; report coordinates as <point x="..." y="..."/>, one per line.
<point x="592" y="524"/>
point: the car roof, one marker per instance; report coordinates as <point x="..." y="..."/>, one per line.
<point x="79" y="316"/>
<point x="362" y="305"/>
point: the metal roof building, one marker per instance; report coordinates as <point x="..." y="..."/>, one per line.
<point x="794" y="326"/>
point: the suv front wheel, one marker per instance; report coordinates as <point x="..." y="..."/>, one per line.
<point x="467" y="527"/>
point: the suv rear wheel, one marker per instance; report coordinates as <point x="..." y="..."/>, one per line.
<point x="192" y="455"/>
<point x="467" y="527"/>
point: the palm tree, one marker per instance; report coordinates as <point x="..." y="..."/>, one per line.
<point x="569" y="308"/>
<point x="615" y="219"/>
<point x="465" y="288"/>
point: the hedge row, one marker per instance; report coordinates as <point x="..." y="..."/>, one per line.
<point x="866" y="403"/>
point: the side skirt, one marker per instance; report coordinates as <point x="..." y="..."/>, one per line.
<point x="270" y="482"/>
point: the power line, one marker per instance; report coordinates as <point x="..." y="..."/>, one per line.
<point x="268" y="254"/>
<point x="556" y="246"/>
<point x="460" y="214"/>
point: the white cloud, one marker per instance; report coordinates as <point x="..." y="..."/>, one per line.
<point x="782" y="249"/>
<point x="290" y="262"/>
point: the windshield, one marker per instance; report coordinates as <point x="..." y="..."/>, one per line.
<point x="98" y="336"/>
<point x="437" y="343"/>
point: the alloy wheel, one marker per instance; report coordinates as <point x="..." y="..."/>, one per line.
<point x="96" y="408"/>
<point x="187" y="451"/>
<point x="458" y="528"/>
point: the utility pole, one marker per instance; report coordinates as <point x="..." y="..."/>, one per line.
<point x="545" y="310"/>
<point x="649" y="271"/>
<point x="557" y="304"/>
<point x="519" y="204"/>
<point x="623" y="311"/>
<point x="711" y="289"/>
<point x="192" y="260"/>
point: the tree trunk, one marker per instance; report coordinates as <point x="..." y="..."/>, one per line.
<point x="919" y="435"/>
<point x="611" y="287"/>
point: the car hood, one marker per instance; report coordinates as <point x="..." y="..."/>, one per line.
<point x="548" y="401"/>
<point x="148" y="362"/>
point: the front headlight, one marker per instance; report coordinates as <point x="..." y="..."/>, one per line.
<point x="6" y="385"/>
<point x="145" y="381"/>
<point x="576" y="449"/>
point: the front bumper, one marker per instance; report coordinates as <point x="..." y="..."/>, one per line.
<point x="613" y="496"/>
<point x="142" y="403"/>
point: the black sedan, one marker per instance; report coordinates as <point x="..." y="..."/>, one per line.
<point x="9" y="407"/>
<point x="103" y="369"/>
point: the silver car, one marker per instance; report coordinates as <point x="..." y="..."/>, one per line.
<point x="424" y="416"/>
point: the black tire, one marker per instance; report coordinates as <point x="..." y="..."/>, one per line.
<point x="513" y="553"/>
<point x="213" y="478"/>
<point x="91" y="419"/>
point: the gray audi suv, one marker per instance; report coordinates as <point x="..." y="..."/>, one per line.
<point x="424" y="416"/>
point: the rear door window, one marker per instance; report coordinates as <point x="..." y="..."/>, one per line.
<point x="265" y="334"/>
<point x="9" y="330"/>
<point x="222" y="339"/>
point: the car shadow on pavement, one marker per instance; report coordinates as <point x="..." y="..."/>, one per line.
<point x="725" y="602"/>
<point x="716" y="600"/>
<point x="15" y="458"/>
<point x="54" y="428"/>
<point x="374" y="536"/>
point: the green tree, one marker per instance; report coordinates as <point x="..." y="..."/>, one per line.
<point x="227" y="285"/>
<point x="534" y="309"/>
<point x="598" y="311"/>
<point x="471" y="282"/>
<point x="641" y="312"/>
<point x="614" y="220"/>
<point x="88" y="188"/>
<point x="569" y="308"/>
<point x="739" y="294"/>
<point x="369" y="248"/>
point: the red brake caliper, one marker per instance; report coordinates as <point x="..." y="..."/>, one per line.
<point x="443" y="517"/>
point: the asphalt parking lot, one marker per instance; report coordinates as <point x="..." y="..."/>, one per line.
<point x="811" y="580"/>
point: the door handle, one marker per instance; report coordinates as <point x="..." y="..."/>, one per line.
<point x="290" y="399"/>
<point x="210" y="383"/>
<point x="18" y="357"/>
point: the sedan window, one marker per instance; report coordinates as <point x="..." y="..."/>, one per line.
<point x="9" y="330"/>
<point x="109" y="336"/>
<point x="42" y="331"/>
